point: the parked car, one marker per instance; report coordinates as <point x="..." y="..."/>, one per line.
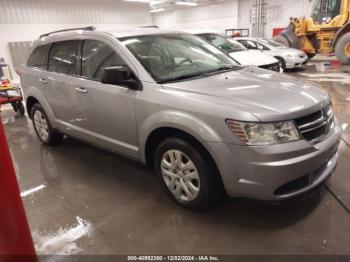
<point x="289" y="57"/>
<point x="206" y="125"/>
<point x="238" y="52"/>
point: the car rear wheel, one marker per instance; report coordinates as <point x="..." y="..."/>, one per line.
<point x="189" y="179"/>
<point x="43" y="128"/>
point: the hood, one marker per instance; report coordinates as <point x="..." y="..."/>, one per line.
<point x="288" y="51"/>
<point x="267" y="95"/>
<point x="253" y="58"/>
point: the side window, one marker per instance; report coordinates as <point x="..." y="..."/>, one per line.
<point x="39" y="57"/>
<point x="260" y="46"/>
<point x="97" y="55"/>
<point x="64" y="56"/>
<point x="249" y="44"/>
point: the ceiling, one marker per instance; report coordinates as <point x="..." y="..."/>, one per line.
<point x="167" y="5"/>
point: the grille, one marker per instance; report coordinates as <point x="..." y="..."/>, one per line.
<point x="273" y="67"/>
<point x="316" y="126"/>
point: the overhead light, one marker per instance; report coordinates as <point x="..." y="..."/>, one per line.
<point x="186" y="3"/>
<point x="154" y="2"/>
<point x="157" y="10"/>
<point x="141" y="1"/>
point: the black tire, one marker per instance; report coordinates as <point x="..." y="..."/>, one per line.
<point x="20" y="107"/>
<point x="54" y="137"/>
<point x="211" y="188"/>
<point x="282" y="62"/>
<point x="343" y="42"/>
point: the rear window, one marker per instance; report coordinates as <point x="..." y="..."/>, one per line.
<point x="39" y="57"/>
<point x="64" y="57"/>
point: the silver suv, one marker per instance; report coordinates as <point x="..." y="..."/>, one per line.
<point x="176" y="103"/>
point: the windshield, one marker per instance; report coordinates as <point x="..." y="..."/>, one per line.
<point x="325" y="10"/>
<point x="224" y="43"/>
<point x="270" y="42"/>
<point x="171" y="57"/>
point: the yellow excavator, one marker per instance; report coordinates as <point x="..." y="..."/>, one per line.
<point x="326" y="31"/>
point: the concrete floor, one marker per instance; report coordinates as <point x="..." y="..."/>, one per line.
<point x="82" y="200"/>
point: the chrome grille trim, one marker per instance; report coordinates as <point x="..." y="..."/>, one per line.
<point x="318" y="129"/>
<point x="313" y="125"/>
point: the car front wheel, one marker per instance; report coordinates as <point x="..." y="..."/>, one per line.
<point x="187" y="175"/>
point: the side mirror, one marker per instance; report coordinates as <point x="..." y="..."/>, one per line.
<point x="120" y="76"/>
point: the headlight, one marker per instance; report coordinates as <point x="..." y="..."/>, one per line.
<point x="259" y="134"/>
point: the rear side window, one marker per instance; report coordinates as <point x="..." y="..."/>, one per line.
<point x="96" y="56"/>
<point x="64" y="56"/>
<point x="39" y="57"/>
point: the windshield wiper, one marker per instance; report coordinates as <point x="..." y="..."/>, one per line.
<point x="201" y="74"/>
<point x="228" y="67"/>
<point x="184" y="77"/>
<point x="224" y="68"/>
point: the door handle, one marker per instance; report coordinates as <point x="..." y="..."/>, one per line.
<point x="43" y="80"/>
<point x="81" y="90"/>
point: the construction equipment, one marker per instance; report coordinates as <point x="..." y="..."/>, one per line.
<point x="326" y="31"/>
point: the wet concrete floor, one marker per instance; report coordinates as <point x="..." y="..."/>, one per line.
<point x="80" y="199"/>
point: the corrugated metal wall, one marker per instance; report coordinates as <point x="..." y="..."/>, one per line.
<point x="73" y="11"/>
<point x="19" y="52"/>
<point x="25" y="20"/>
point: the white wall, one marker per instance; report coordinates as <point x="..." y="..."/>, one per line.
<point x="232" y="14"/>
<point x="25" y="20"/>
<point x="295" y="8"/>
<point x="278" y="13"/>
<point x="219" y="16"/>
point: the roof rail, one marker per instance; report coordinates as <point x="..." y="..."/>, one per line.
<point x="89" y="28"/>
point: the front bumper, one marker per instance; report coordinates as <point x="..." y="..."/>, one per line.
<point x="276" y="172"/>
<point x="295" y="62"/>
<point x="273" y="67"/>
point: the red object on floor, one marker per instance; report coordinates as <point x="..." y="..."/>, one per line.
<point x="277" y="31"/>
<point x="335" y="64"/>
<point x="15" y="237"/>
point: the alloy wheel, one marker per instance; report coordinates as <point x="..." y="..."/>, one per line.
<point x="180" y="175"/>
<point x="41" y="125"/>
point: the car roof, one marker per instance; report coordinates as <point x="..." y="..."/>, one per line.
<point x="129" y="32"/>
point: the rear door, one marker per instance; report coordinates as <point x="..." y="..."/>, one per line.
<point x="35" y="73"/>
<point x="63" y="68"/>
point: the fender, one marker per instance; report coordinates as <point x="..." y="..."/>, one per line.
<point x="175" y="119"/>
<point x="342" y="31"/>
<point x="38" y="95"/>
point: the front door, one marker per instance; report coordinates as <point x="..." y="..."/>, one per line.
<point x="106" y="112"/>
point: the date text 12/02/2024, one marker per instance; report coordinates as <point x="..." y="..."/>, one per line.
<point x="173" y="258"/>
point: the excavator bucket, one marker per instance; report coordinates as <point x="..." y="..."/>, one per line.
<point x="288" y="37"/>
